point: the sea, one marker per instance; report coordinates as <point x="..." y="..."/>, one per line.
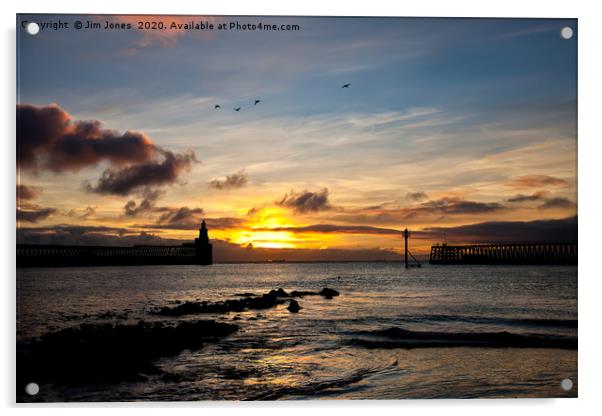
<point x="391" y="333"/>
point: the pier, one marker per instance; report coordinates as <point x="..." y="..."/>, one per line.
<point x="37" y="255"/>
<point x="505" y="253"/>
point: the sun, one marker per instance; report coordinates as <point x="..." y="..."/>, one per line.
<point x="258" y="230"/>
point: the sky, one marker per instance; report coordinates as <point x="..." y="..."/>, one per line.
<point x="462" y="130"/>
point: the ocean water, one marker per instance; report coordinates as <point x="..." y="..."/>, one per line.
<point x="331" y="348"/>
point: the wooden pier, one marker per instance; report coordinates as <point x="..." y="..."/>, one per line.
<point x="505" y="253"/>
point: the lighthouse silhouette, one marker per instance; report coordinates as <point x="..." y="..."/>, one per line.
<point x="202" y="247"/>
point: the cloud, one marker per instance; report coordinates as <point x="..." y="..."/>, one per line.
<point x="306" y="201"/>
<point x="559" y="230"/>
<point x="332" y="228"/>
<point x="548" y="203"/>
<point x="416" y="196"/>
<point x="538" y="196"/>
<point x="89" y="211"/>
<point x="149" y="199"/>
<point x="48" y="138"/>
<point x="33" y="213"/>
<point x="153" y="173"/>
<point x="192" y="220"/>
<point x="555" y="203"/>
<point x="453" y="205"/>
<point x="89" y="235"/>
<point x="432" y="210"/>
<point x="236" y="180"/>
<point x="184" y="216"/>
<point x="536" y="181"/>
<point x="27" y="193"/>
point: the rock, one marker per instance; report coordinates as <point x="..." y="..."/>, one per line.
<point x="301" y="293"/>
<point x="106" y="353"/>
<point x="293" y="306"/>
<point x="328" y="293"/>
<point x="281" y="293"/>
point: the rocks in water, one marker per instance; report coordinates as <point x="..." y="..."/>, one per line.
<point x="301" y="293"/>
<point x="110" y="353"/>
<point x="265" y="301"/>
<point x="282" y="293"/>
<point x="293" y="306"/>
<point x="245" y="294"/>
<point x="328" y="293"/>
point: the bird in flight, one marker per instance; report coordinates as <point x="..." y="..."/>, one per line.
<point x="236" y="108"/>
<point x="217" y="107"/>
<point x="346" y="85"/>
<point x="257" y="102"/>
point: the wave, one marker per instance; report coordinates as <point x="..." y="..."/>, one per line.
<point x="321" y="387"/>
<point x="392" y="338"/>
<point x="533" y="322"/>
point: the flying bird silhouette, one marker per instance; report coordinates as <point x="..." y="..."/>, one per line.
<point x="217" y="107"/>
<point x="346" y="85"/>
<point x="237" y="109"/>
<point x="257" y="102"/>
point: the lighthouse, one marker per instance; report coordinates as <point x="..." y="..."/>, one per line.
<point x="202" y="247"/>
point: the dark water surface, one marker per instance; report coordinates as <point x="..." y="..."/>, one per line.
<point x="333" y="348"/>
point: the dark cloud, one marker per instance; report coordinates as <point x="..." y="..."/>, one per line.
<point x="191" y="221"/>
<point x="147" y="204"/>
<point x="27" y="193"/>
<point x="48" y="138"/>
<point x="454" y="206"/>
<point x="33" y="213"/>
<point x="536" y="181"/>
<point x="332" y="228"/>
<point x="416" y="196"/>
<point x="86" y="212"/>
<point x="306" y="201"/>
<point x="555" y="203"/>
<point x="538" y="196"/>
<point x="418" y="213"/>
<point x="184" y="216"/>
<point x="561" y="230"/>
<point x="89" y="235"/>
<point x="224" y="223"/>
<point x="153" y="173"/>
<point x="236" y="180"/>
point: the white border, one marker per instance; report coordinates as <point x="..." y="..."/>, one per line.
<point x="590" y="68"/>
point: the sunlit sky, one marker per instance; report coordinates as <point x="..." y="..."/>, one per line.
<point x="446" y="123"/>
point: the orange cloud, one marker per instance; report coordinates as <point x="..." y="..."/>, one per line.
<point x="536" y="181"/>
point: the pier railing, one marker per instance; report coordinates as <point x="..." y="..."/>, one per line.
<point x="505" y="253"/>
<point x="35" y="255"/>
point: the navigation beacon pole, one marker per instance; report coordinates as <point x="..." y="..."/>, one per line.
<point x="405" y="238"/>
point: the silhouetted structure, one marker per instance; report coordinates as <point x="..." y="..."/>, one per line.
<point x="39" y="255"/>
<point x="203" y="249"/>
<point x="505" y="253"/>
<point x="406" y="236"/>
